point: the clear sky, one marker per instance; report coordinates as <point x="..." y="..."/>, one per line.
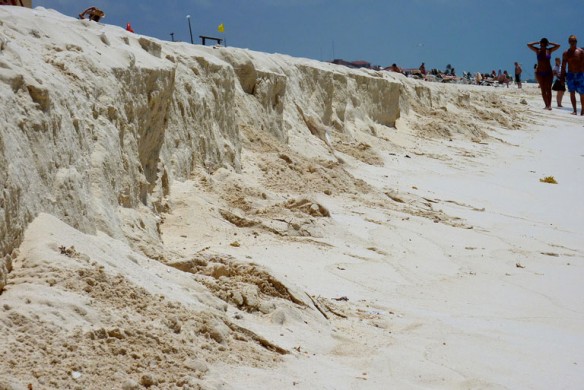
<point x="470" y="35"/>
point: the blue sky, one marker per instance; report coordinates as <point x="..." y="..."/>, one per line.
<point x="470" y="35"/>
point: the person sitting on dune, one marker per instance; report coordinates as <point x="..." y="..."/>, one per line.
<point x="93" y="13"/>
<point x="395" y="68"/>
<point x="503" y="79"/>
<point x="478" y="78"/>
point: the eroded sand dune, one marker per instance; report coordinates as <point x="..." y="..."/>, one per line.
<point x="179" y="216"/>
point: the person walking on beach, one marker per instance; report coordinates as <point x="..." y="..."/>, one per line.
<point x="544" y="73"/>
<point x="518" y="71"/>
<point x="574" y="77"/>
<point x="559" y="85"/>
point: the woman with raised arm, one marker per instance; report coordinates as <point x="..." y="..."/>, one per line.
<point x="544" y="73"/>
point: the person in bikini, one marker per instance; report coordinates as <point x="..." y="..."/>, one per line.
<point x="574" y="77"/>
<point x="544" y="73"/>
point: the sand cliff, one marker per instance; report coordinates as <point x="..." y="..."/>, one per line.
<point x="96" y="119"/>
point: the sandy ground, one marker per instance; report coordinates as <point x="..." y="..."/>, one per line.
<point x="446" y="264"/>
<point x="472" y="281"/>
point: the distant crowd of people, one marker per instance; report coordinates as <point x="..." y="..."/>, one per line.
<point x="569" y="72"/>
<point x="421" y="73"/>
<point x="500" y="78"/>
<point x="450" y="75"/>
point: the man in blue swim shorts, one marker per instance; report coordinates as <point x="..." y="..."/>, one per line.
<point x="574" y="77"/>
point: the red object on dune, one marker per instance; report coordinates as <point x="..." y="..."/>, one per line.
<point x="129" y="27"/>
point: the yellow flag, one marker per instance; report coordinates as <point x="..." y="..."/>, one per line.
<point x="221" y="28"/>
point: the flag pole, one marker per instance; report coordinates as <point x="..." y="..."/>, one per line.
<point x="190" y="29"/>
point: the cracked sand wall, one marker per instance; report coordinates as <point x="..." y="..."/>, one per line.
<point x="98" y="122"/>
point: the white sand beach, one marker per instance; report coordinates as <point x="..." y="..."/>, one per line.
<point x="179" y="216"/>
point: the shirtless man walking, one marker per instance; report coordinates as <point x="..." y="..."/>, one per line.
<point x="574" y="77"/>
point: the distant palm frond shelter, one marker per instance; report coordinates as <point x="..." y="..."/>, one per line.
<point x="22" y="3"/>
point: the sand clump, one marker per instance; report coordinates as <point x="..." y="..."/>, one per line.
<point x="245" y="285"/>
<point x="129" y="334"/>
